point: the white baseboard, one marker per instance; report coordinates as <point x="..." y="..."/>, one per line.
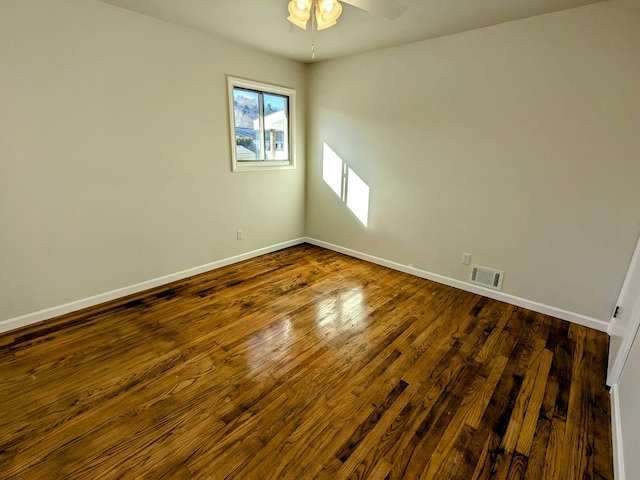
<point x="30" y="318"/>
<point x="503" y="297"/>
<point x="616" y="431"/>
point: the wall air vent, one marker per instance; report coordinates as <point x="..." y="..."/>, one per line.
<point x="487" y="277"/>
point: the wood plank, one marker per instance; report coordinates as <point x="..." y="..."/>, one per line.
<point x="576" y="458"/>
<point x="304" y="364"/>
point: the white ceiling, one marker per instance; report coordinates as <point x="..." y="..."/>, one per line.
<point x="262" y="24"/>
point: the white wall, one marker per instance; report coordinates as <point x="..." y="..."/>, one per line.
<point x="517" y="143"/>
<point x="114" y="153"/>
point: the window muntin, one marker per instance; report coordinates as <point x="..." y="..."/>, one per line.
<point x="262" y="124"/>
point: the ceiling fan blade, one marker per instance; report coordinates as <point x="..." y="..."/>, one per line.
<point x="382" y="8"/>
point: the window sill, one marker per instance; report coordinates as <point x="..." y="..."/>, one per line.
<point x="257" y="168"/>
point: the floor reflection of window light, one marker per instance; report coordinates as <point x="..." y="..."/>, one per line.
<point x="342" y="311"/>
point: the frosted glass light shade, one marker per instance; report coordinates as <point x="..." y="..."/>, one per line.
<point x="299" y="12"/>
<point x="327" y="13"/>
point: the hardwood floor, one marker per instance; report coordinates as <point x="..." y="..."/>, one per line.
<point x="304" y="364"/>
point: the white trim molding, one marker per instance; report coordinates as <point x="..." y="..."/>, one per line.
<point x="616" y="434"/>
<point x="30" y="318"/>
<point x="486" y="292"/>
<point x="627" y="320"/>
<point x="615" y="371"/>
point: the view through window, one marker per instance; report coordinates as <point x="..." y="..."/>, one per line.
<point x="261" y="121"/>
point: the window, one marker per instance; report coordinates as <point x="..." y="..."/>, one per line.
<point x="262" y="121"/>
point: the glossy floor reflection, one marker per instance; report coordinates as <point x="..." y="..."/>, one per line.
<point x="304" y="364"/>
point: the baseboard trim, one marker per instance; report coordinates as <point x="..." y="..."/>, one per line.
<point x="48" y="313"/>
<point x="41" y="315"/>
<point x="501" y="296"/>
<point x="616" y="434"/>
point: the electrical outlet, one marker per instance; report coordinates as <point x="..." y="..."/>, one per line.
<point x="466" y="258"/>
<point x="239" y="234"/>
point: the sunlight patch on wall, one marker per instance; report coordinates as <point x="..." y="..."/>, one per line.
<point x="358" y="197"/>
<point x="332" y="170"/>
<point x="346" y="184"/>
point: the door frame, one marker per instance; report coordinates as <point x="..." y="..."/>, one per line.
<point x="616" y="365"/>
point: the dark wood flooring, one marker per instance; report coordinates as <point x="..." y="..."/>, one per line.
<point x="304" y="364"/>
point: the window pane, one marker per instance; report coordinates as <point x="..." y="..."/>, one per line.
<point x="246" y="108"/>
<point x="260" y="132"/>
<point x="276" y="127"/>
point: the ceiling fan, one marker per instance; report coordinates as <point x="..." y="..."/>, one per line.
<point x="325" y="13"/>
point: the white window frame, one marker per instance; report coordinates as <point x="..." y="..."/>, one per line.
<point x="255" y="165"/>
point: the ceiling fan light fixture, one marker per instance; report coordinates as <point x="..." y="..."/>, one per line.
<point x="327" y="13"/>
<point x="299" y="12"/>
